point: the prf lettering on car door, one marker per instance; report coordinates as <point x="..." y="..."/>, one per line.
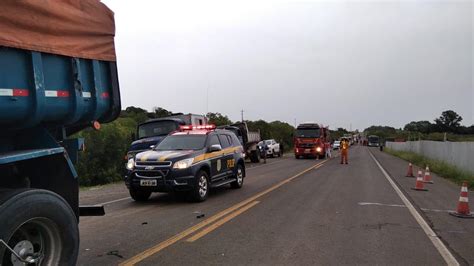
<point x="230" y="163"/>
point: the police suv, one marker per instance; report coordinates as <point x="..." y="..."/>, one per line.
<point x="193" y="160"/>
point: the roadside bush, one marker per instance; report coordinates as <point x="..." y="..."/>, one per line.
<point x="103" y="160"/>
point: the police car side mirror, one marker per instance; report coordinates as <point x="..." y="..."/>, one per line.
<point x="215" y="147"/>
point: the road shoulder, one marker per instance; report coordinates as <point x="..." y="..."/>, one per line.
<point x="434" y="204"/>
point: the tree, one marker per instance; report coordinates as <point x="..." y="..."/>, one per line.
<point x="338" y="133"/>
<point x="420" y="126"/>
<point x="383" y="132"/>
<point x="161" y="112"/>
<point x="449" y="121"/>
<point x="135" y="113"/>
<point x="218" y="119"/>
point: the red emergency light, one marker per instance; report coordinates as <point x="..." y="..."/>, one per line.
<point x="201" y="127"/>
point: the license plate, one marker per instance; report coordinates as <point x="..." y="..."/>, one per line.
<point x="148" y="183"/>
<point x="307" y="151"/>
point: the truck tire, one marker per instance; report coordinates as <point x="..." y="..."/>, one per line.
<point x="239" y="176"/>
<point x="139" y="195"/>
<point x="35" y="220"/>
<point x="201" y="189"/>
<point x="254" y="158"/>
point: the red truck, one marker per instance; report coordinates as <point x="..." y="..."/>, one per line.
<point x="309" y="140"/>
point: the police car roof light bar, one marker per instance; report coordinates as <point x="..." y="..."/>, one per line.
<point x="201" y="127"/>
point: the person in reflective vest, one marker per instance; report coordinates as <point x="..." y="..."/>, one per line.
<point x="344" y="151"/>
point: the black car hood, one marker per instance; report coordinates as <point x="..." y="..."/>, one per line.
<point x="161" y="156"/>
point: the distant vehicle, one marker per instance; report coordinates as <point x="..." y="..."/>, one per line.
<point x="151" y="132"/>
<point x="272" y="147"/>
<point x="373" y="141"/>
<point x="192" y="161"/>
<point x="336" y="145"/>
<point x="309" y="139"/>
<point x="248" y="139"/>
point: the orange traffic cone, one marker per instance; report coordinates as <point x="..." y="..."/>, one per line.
<point x="427" y="178"/>
<point x="463" y="204"/>
<point x="419" y="182"/>
<point x="410" y="171"/>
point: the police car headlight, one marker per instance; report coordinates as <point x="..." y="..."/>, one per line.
<point x="130" y="164"/>
<point x="183" y="164"/>
<point x="318" y="149"/>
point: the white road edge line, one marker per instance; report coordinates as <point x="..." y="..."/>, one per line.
<point x="439" y="245"/>
<point x="398" y="205"/>
<point x="113" y="201"/>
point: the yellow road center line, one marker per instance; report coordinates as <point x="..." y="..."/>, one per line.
<point x="170" y="241"/>
<point x="217" y="224"/>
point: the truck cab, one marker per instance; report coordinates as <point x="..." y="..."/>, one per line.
<point x="373" y="141"/>
<point x="152" y="132"/>
<point x="309" y="140"/>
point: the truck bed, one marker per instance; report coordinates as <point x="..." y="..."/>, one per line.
<point x="55" y="91"/>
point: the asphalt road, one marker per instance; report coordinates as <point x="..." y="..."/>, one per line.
<point x="289" y="212"/>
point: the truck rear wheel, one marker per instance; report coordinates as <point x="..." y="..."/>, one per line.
<point x="139" y="195"/>
<point x="40" y="226"/>
<point x="254" y="158"/>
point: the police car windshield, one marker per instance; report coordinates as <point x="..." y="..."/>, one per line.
<point x="307" y="133"/>
<point x="182" y="142"/>
<point x="158" y="128"/>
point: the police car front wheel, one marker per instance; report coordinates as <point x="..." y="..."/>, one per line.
<point x="139" y="195"/>
<point x="239" y="177"/>
<point x="201" y="190"/>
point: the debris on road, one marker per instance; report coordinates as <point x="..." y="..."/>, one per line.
<point x="115" y="253"/>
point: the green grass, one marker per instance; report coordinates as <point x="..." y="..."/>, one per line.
<point x="441" y="168"/>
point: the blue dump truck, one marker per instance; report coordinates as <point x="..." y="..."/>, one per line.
<point x="153" y="131"/>
<point x="58" y="75"/>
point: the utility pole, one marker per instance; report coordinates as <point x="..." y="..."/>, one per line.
<point x="207" y="99"/>
<point x="295" y="122"/>
<point x="242" y="114"/>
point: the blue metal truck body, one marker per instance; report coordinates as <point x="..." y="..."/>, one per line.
<point x="44" y="98"/>
<point x="58" y="76"/>
<point x="40" y="89"/>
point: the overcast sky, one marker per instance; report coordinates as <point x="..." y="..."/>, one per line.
<point x="340" y="63"/>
